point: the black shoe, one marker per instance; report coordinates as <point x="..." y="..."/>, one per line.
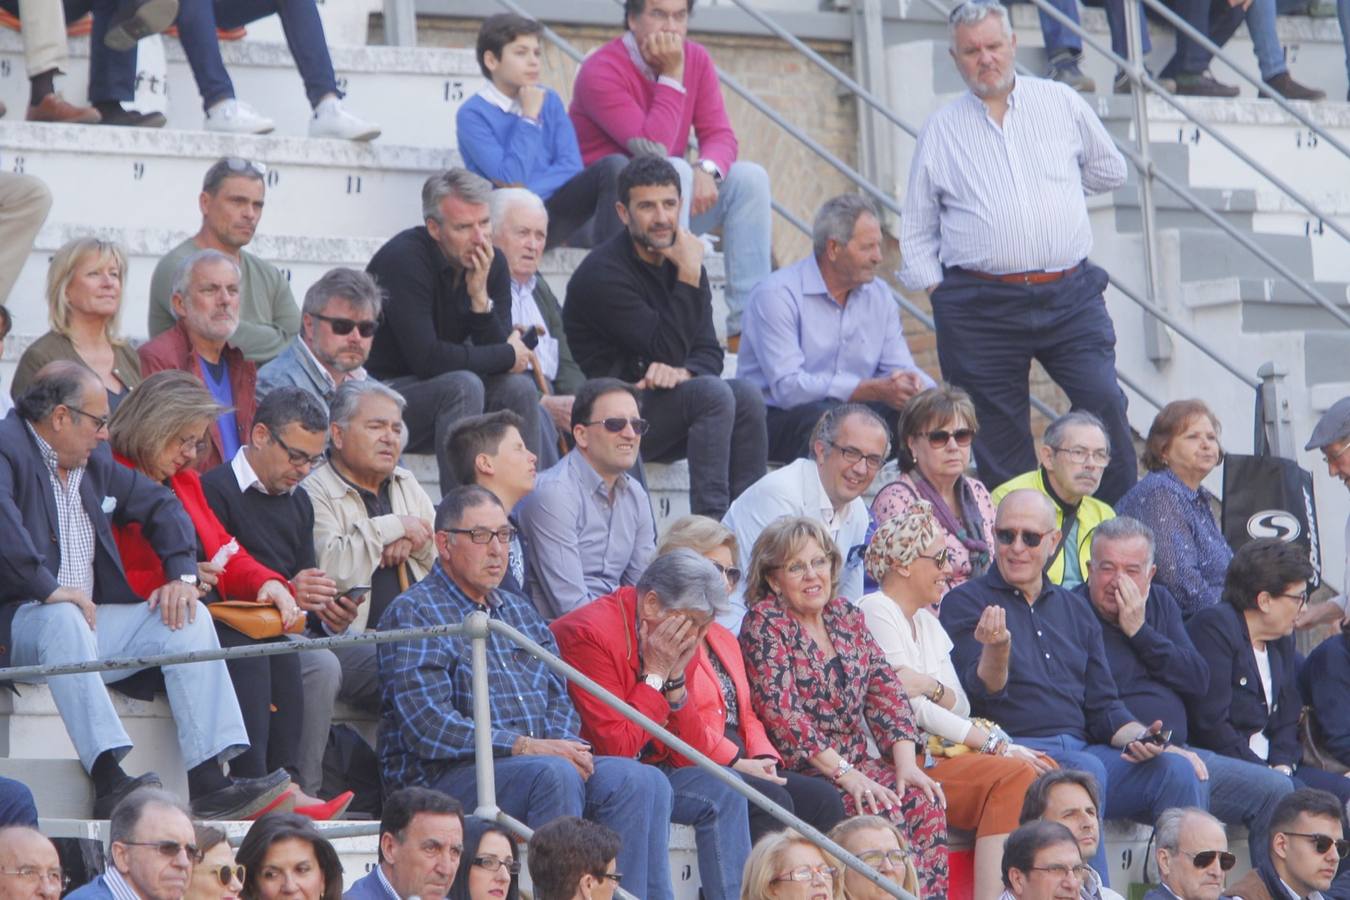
<point x="136" y="19"/>
<point x="130" y="118"/>
<point x="1064" y="69"/>
<point x="103" y="806"/>
<point x="1203" y="85"/>
<point x="1285" y="85"/>
<point x="245" y="798"/>
<point x="1123" y="85"/>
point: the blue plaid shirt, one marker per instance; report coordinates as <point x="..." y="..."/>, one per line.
<point x="426" y="707"/>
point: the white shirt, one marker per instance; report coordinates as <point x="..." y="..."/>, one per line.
<point x="244" y="475"/>
<point x="1006" y="199"/>
<point x="525" y="311"/>
<point x="1259" y="743"/>
<point x="795" y="490"/>
<point x="924" y="648"/>
<point x="491" y="94"/>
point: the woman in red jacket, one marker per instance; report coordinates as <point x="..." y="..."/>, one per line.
<point x="158" y="430"/>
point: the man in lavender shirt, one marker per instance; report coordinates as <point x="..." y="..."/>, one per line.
<point x="825" y="331"/>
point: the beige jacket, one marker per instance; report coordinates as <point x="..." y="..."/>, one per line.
<point x="348" y="542"/>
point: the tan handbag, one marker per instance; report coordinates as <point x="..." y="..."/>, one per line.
<point x="256" y="620"/>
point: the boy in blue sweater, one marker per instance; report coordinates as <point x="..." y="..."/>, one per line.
<point x="516" y="133"/>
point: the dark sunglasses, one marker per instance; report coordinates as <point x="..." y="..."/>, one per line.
<point x="939" y="558"/>
<point x="226" y="874"/>
<point x="1007" y="536"/>
<point x="730" y="573"/>
<point x="938" y="439"/>
<point x="1205" y="858"/>
<point x="342" y="327"/>
<point x="1324" y="842"/>
<point x="169" y="849"/>
<point x="616" y="424"/>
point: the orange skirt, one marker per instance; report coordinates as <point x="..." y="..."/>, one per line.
<point x="984" y="793"/>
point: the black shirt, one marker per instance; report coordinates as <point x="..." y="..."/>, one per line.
<point x="384" y="585"/>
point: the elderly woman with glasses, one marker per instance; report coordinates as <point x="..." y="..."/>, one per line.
<point x="910" y="558"/>
<point x="1251" y="709"/>
<point x="718" y="688"/>
<point x="880" y="845"/>
<point x="936" y="431"/>
<point x="823" y="688"/>
<point x="786" y="866"/>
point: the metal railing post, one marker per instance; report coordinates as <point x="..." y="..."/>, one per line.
<point x="400" y="23"/>
<point x="1276" y="419"/>
<point x="476" y="628"/>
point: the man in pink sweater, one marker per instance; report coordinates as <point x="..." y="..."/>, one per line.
<point x="645" y="92"/>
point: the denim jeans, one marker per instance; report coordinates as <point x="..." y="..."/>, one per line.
<point x="201" y="696"/>
<point x="718" y="425"/>
<point x="1057" y="37"/>
<point x="627" y="796"/>
<point x="1265" y="39"/>
<point x="1139" y="791"/>
<point x="1215" y="18"/>
<point x="1243" y="793"/>
<point x="744" y="213"/>
<point x="721" y="821"/>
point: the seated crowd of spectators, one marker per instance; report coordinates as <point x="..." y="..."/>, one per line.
<point x="1018" y="655"/>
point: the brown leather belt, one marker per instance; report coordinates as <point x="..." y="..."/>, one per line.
<point x="1025" y="277"/>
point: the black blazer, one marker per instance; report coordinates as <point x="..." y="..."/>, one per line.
<point x="1235" y="706"/>
<point x="30" y="546"/>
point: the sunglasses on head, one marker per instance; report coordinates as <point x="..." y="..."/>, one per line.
<point x="1205" y="858"/>
<point x="616" y="424"/>
<point x="227" y="874"/>
<point x="1324" y="842"/>
<point x="341" y="326"/>
<point x="939" y="438"/>
<point x="1008" y="536"/>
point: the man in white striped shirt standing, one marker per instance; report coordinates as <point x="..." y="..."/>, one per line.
<point x="996" y="230"/>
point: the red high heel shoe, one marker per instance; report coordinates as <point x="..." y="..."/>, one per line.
<point x="324" y="812"/>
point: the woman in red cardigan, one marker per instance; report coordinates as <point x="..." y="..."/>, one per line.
<point x="158" y="430"/>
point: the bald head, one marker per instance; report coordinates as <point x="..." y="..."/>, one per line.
<point x="1027" y="502"/>
<point x="1026" y="539"/>
<point x="24" y="849"/>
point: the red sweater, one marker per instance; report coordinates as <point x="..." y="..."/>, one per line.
<point x="243" y="574"/>
<point x="613" y="102"/>
<point x="600" y="639"/>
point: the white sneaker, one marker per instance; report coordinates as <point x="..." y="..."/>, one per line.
<point x="237" y="117"/>
<point x="330" y="120"/>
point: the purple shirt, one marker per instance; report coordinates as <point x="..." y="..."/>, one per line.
<point x="799" y="346"/>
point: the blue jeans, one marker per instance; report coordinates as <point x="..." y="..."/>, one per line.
<point x="1265" y="39"/>
<point x="201" y="696"/>
<point x="1243" y="793"/>
<point x="1215" y="18"/>
<point x="629" y="797"/>
<point x="1139" y="791"/>
<point x="744" y="214"/>
<point x="1058" y="38"/>
<point x="721" y="821"/>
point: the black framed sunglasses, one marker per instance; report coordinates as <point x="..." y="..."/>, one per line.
<point x="1008" y="536"/>
<point x="343" y="327"/>
<point x="939" y="558"/>
<point x="1324" y="842"/>
<point x="938" y="439"/>
<point x="616" y="424"/>
<point x="1205" y="858"/>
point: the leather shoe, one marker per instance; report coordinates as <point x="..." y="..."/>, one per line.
<point x="130" y="118"/>
<point x="103" y="806"/>
<point x="1203" y="84"/>
<point x="136" y="19"/>
<point x="1285" y="85"/>
<point x="55" y="108"/>
<point x="243" y="798"/>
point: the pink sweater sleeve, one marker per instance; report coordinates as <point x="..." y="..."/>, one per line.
<point x="716" y="139"/>
<point x="622" y="104"/>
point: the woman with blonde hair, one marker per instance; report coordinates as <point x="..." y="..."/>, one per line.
<point x="881" y="846"/>
<point x="84" y="304"/>
<point x="786" y="866"/>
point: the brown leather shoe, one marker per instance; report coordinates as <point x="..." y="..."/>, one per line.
<point x="55" y="108"/>
<point x="1285" y="85"/>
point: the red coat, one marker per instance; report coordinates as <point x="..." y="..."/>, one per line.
<point x="173" y="350"/>
<point x="600" y="639"/>
<point x="243" y="574"/>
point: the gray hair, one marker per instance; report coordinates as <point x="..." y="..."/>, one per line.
<point x="827" y="427"/>
<point x="231" y="167"/>
<point x="58" y="383"/>
<point x="504" y="200"/>
<point x="1054" y="432"/>
<point x="459" y="183"/>
<point x="836" y="220"/>
<point x="352" y="285"/>
<point x="973" y="12"/>
<point x="347" y="398"/>
<point x="1123" y="528"/>
<point x="1167" y="830"/>
<point x="189" y="265"/>
<point x="682" y="579"/>
<point x="128" y="813"/>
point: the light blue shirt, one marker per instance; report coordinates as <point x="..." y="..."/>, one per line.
<point x="799" y="346"/>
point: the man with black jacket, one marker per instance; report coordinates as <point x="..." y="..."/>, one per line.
<point x="639" y="308"/>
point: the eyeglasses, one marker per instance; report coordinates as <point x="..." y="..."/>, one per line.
<point x="853" y="456"/>
<point x="1080" y="455"/>
<point x="33" y="873"/>
<point x="616" y="424"/>
<point x="1205" y="858"/>
<point x="730" y="573"/>
<point x="874" y="858"/>
<point x="1301" y="598"/>
<point x="504" y="535"/>
<point x="227" y="874"/>
<point x="614" y="877"/>
<point x="298" y="458"/>
<point x="169" y="849"/>
<point x="341" y="326"/>
<point x="938" y="439"/>
<point x="1008" y="536"/>
<point x="809" y="873"/>
<point x="100" y="422"/>
<point x="239" y="164"/>
<point x="493" y="863"/>
<point x="939" y="558"/>
<point x="1324" y="842"/>
<point x="1327" y="458"/>
<point x="1079" y="872"/>
<point x="821" y="565"/>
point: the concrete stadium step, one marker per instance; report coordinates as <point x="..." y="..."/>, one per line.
<point x="1209" y="254"/>
<point x="111" y="177"/>
<point x="1324" y="356"/>
<point x="1273" y="305"/>
<point x="412" y="93"/>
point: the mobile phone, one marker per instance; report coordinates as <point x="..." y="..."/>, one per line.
<point x="1162" y="738"/>
<point x="357" y="593"/>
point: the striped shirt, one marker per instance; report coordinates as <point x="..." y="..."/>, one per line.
<point x="72" y="522"/>
<point x="1008" y="199"/>
<point x="118" y="886"/>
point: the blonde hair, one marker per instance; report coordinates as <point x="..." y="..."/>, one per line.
<point x="700" y="534"/>
<point x="783" y="537"/>
<point x="61" y="273"/>
<point x="154" y="414"/>
<point x="909" y="876"/>
<point x="761" y="867"/>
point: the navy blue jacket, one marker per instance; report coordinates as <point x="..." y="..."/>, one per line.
<point x="1325" y="683"/>
<point x="1234" y="707"/>
<point x="30" y="548"/>
<point x="1058" y="682"/>
<point x="1157" y="669"/>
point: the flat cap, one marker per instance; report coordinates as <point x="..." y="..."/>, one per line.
<point x="1334" y="425"/>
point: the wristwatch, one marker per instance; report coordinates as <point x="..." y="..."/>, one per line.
<point x="188" y="579"/>
<point x="655" y="682"/>
<point x="710" y="167"/>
